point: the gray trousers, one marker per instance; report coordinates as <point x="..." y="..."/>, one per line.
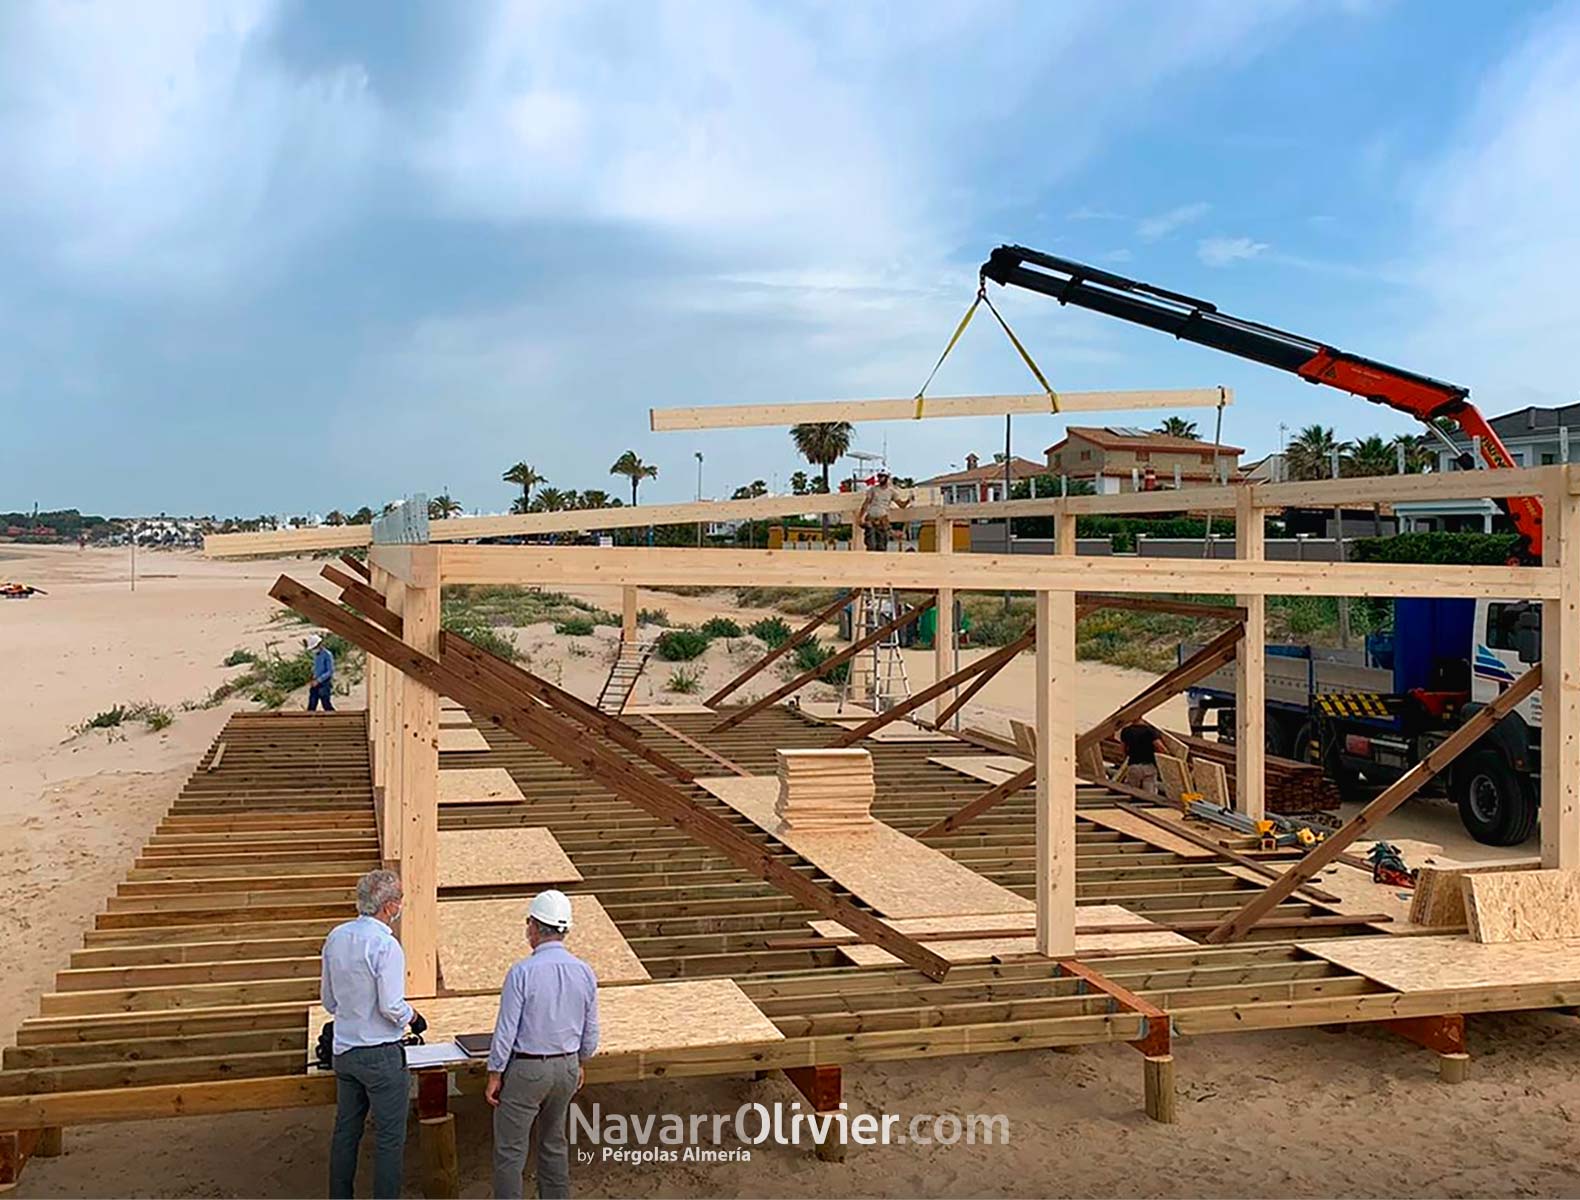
<point x="534" y="1090"/>
<point x="369" y="1077"/>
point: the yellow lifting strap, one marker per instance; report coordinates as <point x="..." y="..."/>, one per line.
<point x="982" y="298"/>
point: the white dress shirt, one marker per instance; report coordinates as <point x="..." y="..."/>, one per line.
<point x="363" y="984"/>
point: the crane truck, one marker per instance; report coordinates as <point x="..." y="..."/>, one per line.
<point x="1366" y="718"/>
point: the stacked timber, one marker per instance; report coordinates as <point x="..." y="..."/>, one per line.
<point x="1292" y="787"/>
<point x="825" y="791"/>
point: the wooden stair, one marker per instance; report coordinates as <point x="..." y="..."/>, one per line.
<point x="623" y="674"/>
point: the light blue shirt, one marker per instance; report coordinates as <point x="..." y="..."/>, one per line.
<point x="549" y="1005"/>
<point x="363" y="984"/>
<point x="323" y="665"/>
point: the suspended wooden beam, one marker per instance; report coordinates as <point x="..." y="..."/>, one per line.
<point x="1238" y="924"/>
<point x="827" y="665"/>
<point x="773" y="656"/>
<point x="551" y="734"/>
<point x="991" y="662"/>
<point x="737" y="416"/>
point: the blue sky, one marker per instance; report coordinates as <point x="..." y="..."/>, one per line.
<point x="273" y="257"/>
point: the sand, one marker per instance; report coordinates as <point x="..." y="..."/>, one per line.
<point x="1302" y="1113"/>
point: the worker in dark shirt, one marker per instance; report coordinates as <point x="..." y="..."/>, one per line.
<point x="1142" y="745"/>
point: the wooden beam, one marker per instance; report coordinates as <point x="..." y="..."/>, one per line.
<point x="982" y="803"/>
<point x="1238" y="924"/>
<point x="419" y="811"/>
<point x="553" y="566"/>
<point x="1054" y="764"/>
<point x="363" y="598"/>
<point x="945" y="638"/>
<point x="828" y="664"/>
<point x="990" y="662"/>
<point x="738" y="416"/>
<point x="687" y="740"/>
<point x="552" y="735"/>
<point x="628" y="612"/>
<point x="415" y="566"/>
<point x="1560" y="782"/>
<point x="1250" y="670"/>
<point x="1197" y="667"/>
<point x="363" y="571"/>
<point x="800" y="635"/>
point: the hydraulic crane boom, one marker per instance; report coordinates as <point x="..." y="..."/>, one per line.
<point x="1198" y="321"/>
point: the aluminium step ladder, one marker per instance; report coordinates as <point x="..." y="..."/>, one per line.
<point x="877" y="677"/>
<point x="623" y="674"/>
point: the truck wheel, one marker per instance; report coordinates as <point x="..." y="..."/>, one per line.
<point x="1493" y="803"/>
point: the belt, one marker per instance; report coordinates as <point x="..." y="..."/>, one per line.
<point x="541" y="1057"/>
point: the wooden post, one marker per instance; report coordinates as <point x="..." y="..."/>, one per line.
<point x="1055" y="765"/>
<point x="1064" y="534"/>
<point x="628" y="614"/>
<point x="822" y="1087"/>
<point x="419" y="807"/>
<point x="944" y="623"/>
<point x="441" y="1173"/>
<point x="392" y="744"/>
<point x="1560" y="819"/>
<point x="377" y="681"/>
<point x="858" y="614"/>
<point x="1250" y="670"/>
<point x="1158" y="1082"/>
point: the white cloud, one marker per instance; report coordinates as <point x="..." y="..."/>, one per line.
<point x="1160" y="225"/>
<point x="1498" y="216"/>
<point x="1221" y="251"/>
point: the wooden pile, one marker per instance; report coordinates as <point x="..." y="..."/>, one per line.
<point x="1292" y="787"/>
<point x="825" y="791"/>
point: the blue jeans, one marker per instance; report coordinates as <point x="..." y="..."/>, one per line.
<point x="369" y="1077"/>
<point x="318" y="694"/>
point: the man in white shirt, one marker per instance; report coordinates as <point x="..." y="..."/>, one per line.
<point x="363" y="985"/>
<point x="874" y="514"/>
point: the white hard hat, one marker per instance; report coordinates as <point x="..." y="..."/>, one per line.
<point x="553" y="909"/>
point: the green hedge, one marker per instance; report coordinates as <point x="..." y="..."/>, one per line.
<point x="1471" y="549"/>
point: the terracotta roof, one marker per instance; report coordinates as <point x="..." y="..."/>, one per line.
<point x="1108" y="439"/>
<point x="1019" y="468"/>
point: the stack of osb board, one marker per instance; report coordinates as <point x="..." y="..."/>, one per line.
<point x="824" y="791"/>
<point x="480" y="939"/>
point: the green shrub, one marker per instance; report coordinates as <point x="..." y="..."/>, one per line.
<point x="108" y="719"/>
<point x="684" y="680"/>
<point x="771" y="631"/>
<point x="681" y="645"/>
<point x="811" y="654"/>
<point x="575" y="626"/>
<point x="239" y="656"/>
<point x="268" y="696"/>
<point x="998" y="628"/>
<point x="1473" y="549"/>
<point x="480" y="633"/>
<point x="653" y="616"/>
<point x="721" y="627"/>
<point x="155" y="716"/>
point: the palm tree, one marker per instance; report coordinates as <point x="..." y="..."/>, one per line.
<point x="573" y="499"/>
<point x="798" y="483"/>
<point x="1417" y="458"/>
<point x="526" y="479"/>
<point x="1310" y="455"/>
<point x="443" y="506"/>
<point x="822" y="443"/>
<point x="363" y="516"/>
<point x="550" y="500"/>
<point x="634" y="469"/>
<point x="1178" y="427"/>
<point x="1373" y="455"/>
<point x="595" y="498"/>
<point x="334" y="517"/>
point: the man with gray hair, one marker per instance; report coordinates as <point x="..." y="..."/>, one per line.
<point x="363" y="986"/>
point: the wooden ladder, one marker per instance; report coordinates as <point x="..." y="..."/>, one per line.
<point x="623" y="674"/>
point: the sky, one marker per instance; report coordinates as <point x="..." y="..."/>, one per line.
<point x="275" y="257"/>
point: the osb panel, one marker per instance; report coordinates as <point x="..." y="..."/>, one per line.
<point x="636" y="1018"/>
<point x="480" y="939"/>
<point x="985" y="949"/>
<point x="451" y="719"/>
<point x="1523" y="906"/>
<point x="473" y="785"/>
<point x="481" y="857"/>
<point x="461" y="739"/>
<point x="1433" y="964"/>
<point x="988" y="768"/>
<point x="831" y="710"/>
<point x="1134" y="826"/>
<point x="900" y="731"/>
<point x="895" y="874"/>
<point x="1439" y="897"/>
<point x="1174" y="777"/>
<point x="1211" y="781"/>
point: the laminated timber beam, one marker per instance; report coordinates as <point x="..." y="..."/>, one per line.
<point x="1238" y="924"/>
<point x="546" y="731"/>
<point x="553" y="566"/>
<point x="824" y="667"/>
<point x="799" y="636"/>
<point x="739" y="416"/>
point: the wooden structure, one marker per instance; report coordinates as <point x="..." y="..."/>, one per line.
<point x="191" y="992"/>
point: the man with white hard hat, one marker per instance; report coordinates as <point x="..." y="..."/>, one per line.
<point x="546" y="1029"/>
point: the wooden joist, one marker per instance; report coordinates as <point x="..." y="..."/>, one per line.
<point x="461" y="678"/>
<point x="1238" y="924"/>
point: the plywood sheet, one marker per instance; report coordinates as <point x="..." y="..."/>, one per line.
<point x="477" y="785"/>
<point x="1523" y="906"/>
<point x="1174" y="776"/>
<point x="1211" y="781"/>
<point x="1439" y="898"/>
<point x="480" y="939"/>
<point x="455" y="720"/>
<point x="1134" y="826"/>
<point x="1432" y="964"/>
<point x="894" y="873"/>
<point x="989" y="768"/>
<point x="986" y="949"/>
<point x="482" y="857"/>
<point x="634" y="1018"/>
<point x="455" y="740"/>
